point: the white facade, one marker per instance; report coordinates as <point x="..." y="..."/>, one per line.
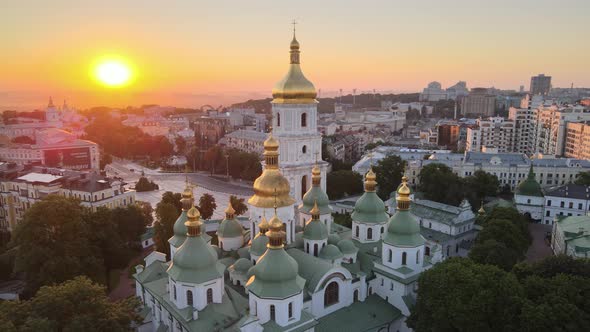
<point x="494" y="132"/>
<point x="367" y="232"/>
<point x="300" y="145"/>
<point x="533" y="205"/>
<point x="285" y="213"/>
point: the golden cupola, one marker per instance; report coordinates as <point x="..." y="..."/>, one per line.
<point x="294" y="88"/>
<point x="271" y="183"/>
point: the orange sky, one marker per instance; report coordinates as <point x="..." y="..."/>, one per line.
<point x="186" y="53"/>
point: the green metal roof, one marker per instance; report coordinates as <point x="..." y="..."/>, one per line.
<point x="444" y="213"/>
<point x="374" y="314"/>
<point x="195" y="262"/>
<point x="310" y="268"/>
<point x="576" y="232"/>
<point x="275" y="275"/>
<point x="149" y="233"/>
<point x="315" y="194"/>
<point x="315" y="230"/>
<point x="330" y="252"/>
<point x="258" y="246"/>
<point x="369" y="209"/>
<point x="230" y="228"/>
<point x="242" y="265"/>
<point x="333" y="238"/>
<point x="305" y="323"/>
<point x="180" y="231"/>
<point x="347" y="247"/>
<point x="530" y="186"/>
<point x="403" y="230"/>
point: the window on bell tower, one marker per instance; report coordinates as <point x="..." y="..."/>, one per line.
<point x="304" y="120"/>
<point x="278" y="119"/>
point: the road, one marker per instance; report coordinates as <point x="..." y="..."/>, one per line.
<point x="175" y="182"/>
<point x="539" y="249"/>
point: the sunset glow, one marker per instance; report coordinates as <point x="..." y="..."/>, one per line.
<point x="113" y="73"/>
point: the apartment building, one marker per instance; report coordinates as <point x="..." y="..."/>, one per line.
<point x="493" y="132"/>
<point x="21" y="187"/>
<point x="577" y="140"/>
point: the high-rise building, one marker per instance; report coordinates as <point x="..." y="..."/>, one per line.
<point x="433" y="92"/>
<point x="540" y="84"/>
<point x="448" y="135"/>
<point x="577" y="140"/>
<point x="493" y="133"/>
<point x="479" y="103"/>
<point x="551" y="127"/>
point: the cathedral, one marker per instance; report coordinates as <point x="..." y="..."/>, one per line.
<point x="287" y="266"/>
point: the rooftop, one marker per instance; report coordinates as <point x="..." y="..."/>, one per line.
<point x="576" y="191"/>
<point x="39" y="177"/>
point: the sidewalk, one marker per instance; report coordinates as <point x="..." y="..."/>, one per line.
<point x="126" y="283"/>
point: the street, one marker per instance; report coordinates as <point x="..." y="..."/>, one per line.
<point x="175" y="182"/>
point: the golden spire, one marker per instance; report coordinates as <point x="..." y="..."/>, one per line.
<point x="193" y="224"/>
<point x="271" y="152"/>
<point x="315" y="211"/>
<point x="370" y="181"/>
<point x="187" y="196"/>
<point x="403" y="195"/>
<point x="316" y="173"/>
<point x="275" y="234"/>
<point x="229" y="212"/>
<point x="263" y="226"/>
<point x="481" y="210"/>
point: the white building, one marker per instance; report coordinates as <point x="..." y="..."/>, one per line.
<point x="246" y="140"/>
<point x="571" y="236"/>
<point x="433" y="92"/>
<point x="493" y="132"/>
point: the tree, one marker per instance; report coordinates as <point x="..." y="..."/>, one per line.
<point x="440" y="184"/>
<point x="389" y="172"/>
<point x="143" y="184"/>
<point x="147" y="211"/>
<point x="207" y="205"/>
<point x="180" y="144"/>
<point x="583" y="178"/>
<point x="238" y="204"/>
<point x="495" y="253"/>
<point x="480" y="185"/>
<point x="514" y="216"/>
<point x="343" y="219"/>
<point x="460" y="295"/>
<point x="54" y="244"/>
<point x="171" y="198"/>
<point x="130" y="221"/>
<point x="552" y="266"/>
<point x="166" y="215"/>
<point x="105" y="160"/>
<point x="75" y="305"/>
<point x="342" y="183"/>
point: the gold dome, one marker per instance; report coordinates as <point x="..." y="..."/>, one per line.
<point x="229" y="212"/>
<point x="294" y="88"/>
<point x="276" y="234"/>
<point x="403" y="198"/>
<point x="271" y="186"/>
<point x="193" y="224"/>
<point x="370" y="180"/>
<point x="263" y="226"/>
<point x="315" y="211"/>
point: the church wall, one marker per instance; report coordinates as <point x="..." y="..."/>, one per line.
<point x="308" y="246"/>
<point x="231" y="243"/>
<point x="262" y="308"/>
<point x="363" y="230"/>
<point x="285" y="213"/>
<point x="345" y="298"/>
<point x="414" y="257"/>
<point x="326" y="219"/>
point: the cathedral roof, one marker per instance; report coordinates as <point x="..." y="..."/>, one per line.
<point x="530" y="186"/>
<point x="314" y="228"/>
<point x="402" y="229"/>
<point x="230" y="227"/>
<point x="330" y="252"/>
<point x="369" y="208"/>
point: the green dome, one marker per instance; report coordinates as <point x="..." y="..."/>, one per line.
<point x="315" y="194"/>
<point x="530" y="186"/>
<point x="347" y="247"/>
<point x="242" y="265"/>
<point x="333" y="238"/>
<point x="403" y="230"/>
<point x="275" y="275"/>
<point x="258" y="246"/>
<point x="195" y="261"/>
<point x="330" y="252"/>
<point x="315" y="230"/>
<point x="180" y="231"/>
<point x="369" y="209"/>
<point x="230" y="228"/>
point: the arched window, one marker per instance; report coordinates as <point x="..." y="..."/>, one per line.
<point x="418" y="257"/>
<point x="427" y="251"/>
<point x="404" y="258"/>
<point x="357" y="231"/>
<point x="331" y="294"/>
<point x="369" y="233"/>
<point x="315" y="250"/>
<point x="272" y="312"/>
<point x="307" y="246"/>
<point x="290" y="309"/>
<point x="304" y="149"/>
<point x="209" y="295"/>
<point x="382" y="229"/>
<point x="189" y="298"/>
<point x="303" y="185"/>
<point x="355" y="296"/>
<point x="174" y="287"/>
<point x="304" y="120"/>
<point x="390" y="256"/>
<point x="278" y="119"/>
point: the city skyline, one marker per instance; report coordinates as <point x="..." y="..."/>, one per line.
<point x="225" y="52"/>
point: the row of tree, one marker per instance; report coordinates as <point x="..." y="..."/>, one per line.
<point x="169" y="208"/>
<point x="462" y="295"/>
<point x="242" y="164"/>
<point x="59" y="239"/>
<point x="143" y="184"/>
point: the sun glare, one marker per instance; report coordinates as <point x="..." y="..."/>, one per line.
<point x="113" y="73"/>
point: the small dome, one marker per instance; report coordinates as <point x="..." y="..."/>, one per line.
<point x="330" y="252"/>
<point x="271" y="142"/>
<point x="259" y="244"/>
<point x="230" y="228"/>
<point x="275" y="275"/>
<point x="403" y="189"/>
<point x="333" y="238"/>
<point x="530" y="186"/>
<point x="315" y="194"/>
<point x="347" y="247"/>
<point x="179" y="230"/>
<point x="369" y="208"/>
<point x="194" y="261"/>
<point x="242" y="265"/>
<point x="315" y="230"/>
<point x="403" y="230"/>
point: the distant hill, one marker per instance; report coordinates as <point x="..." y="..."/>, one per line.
<point x="326" y="105"/>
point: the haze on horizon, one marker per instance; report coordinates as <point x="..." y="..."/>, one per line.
<point x="187" y="53"/>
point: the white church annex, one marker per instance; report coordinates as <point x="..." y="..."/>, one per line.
<point x="289" y="268"/>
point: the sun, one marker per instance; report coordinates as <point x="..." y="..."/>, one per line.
<point x="113" y="73"/>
